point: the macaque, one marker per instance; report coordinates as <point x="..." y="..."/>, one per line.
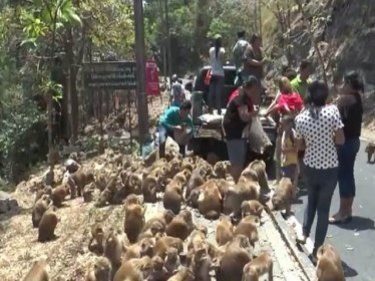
<point x="172" y="260"/>
<point x="164" y="243"/>
<point x="101" y="271"/>
<point x="134" y="270"/>
<point x="114" y="245"/>
<point x="134" y="221"/>
<point x="181" y="225"/>
<point x="96" y="243"/>
<point x="248" y="227"/>
<point x="58" y="194"/>
<point x="39" y="209"/>
<point x="224" y="231"/>
<point x="158" y="272"/>
<point x="78" y="181"/>
<point x="259" y="266"/>
<point x="260" y="168"/>
<point x="210" y="200"/>
<point x="284" y="195"/>
<point x="370" y="150"/>
<point x="221" y="169"/>
<point x="173" y="196"/>
<point x="329" y="266"/>
<point x="149" y="189"/>
<point x="184" y="274"/>
<point x="251" y="207"/>
<point x="47" y="225"/>
<point x="38" y="272"/>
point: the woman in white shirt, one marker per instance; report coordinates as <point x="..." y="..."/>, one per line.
<point x="217" y="53"/>
<point x="319" y="130"/>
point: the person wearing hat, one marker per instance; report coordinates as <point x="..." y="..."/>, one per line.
<point x="216" y="54"/>
<point x="240" y="110"/>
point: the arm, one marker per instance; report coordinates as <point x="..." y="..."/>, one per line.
<point x="272" y="106"/>
<point x="244" y="113"/>
<point x="339" y="137"/>
<point x="168" y="119"/>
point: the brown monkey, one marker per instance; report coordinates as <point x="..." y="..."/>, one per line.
<point x="224" y="231"/>
<point x="45" y="190"/>
<point x="159" y="272"/>
<point x="164" y="243"/>
<point x="144" y="247"/>
<point x="114" y="245"/>
<point x="149" y="189"/>
<point x="58" y="194"/>
<point x="184" y="274"/>
<point x="172" y="260"/>
<point x="210" y="200"/>
<point x="158" y="223"/>
<point x="134" y="270"/>
<point x="97" y="236"/>
<point x="78" y="181"/>
<point x="251" y="207"/>
<point x="101" y="271"/>
<point x="88" y="192"/>
<point x="284" y="195"/>
<point x="181" y="225"/>
<point x="248" y="227"/>
<point x="134" y="221"/>
<point x="47" y="225"/>
<point x="221" y="169"/>
<point x="38" y="272"/>
<point x="201" y="265"/>
<point x="39" y="209"/>
<point x="197" y="240"/>
<point x="173" y="196"/>
<point x="329" y="266"/>
<point x="370" y="150"/>
<point x="196" y="180"/>
<point x="260" y="168"/>
<point x="132" y="199"/>
<point x="260" y="265"/>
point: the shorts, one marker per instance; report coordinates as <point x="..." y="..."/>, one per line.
<point x="289" y="171"/>
<point x="237" y="150"/>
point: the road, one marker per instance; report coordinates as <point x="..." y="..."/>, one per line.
<point x="356" y="240"/>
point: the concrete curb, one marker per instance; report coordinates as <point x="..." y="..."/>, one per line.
<point x="285" y="231"/>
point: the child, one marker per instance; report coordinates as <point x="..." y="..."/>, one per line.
<point x="289" y="150"/>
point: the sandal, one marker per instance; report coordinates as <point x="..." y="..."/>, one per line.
<point x="301" y="239"/>
<point x="343" y="220"/>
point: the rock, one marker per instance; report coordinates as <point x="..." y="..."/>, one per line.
<point x="7" y="203"/>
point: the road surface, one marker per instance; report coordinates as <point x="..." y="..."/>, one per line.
<point x="356" y="240"/>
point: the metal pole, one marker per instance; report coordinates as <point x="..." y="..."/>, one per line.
<point x="141" y="75"/>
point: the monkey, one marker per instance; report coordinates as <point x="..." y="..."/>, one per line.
<point x="329" y="266"/>
<point x="134" y="221"/>
<point x="114" y="245"/>
<point x="135" y="183"/>
<point x="210" y="200"/>
<point x="221" y="169"/>
<point x="164" y="243"/>
<point x="149" y="189"/>
<point x="159" y="272"/>
<point x="144" y="247"/>
<point x="158" y="223"/>
<point x="101" y="271"/>
<point x="250" y="174"/>
<point x="260" y="168"/>
<point x="72" y="165"/>
<point x="247" y="227"/>
<point x="172" y="260"/>
<point x="78" y="180"/>
<point x="45" y="190"/>
<point x="39" y="209"/>
<point x="235" y="257"/>
<point x="100" y="182"/>
<point x="47" y="225"/>
<point x="58" y="194"/>
<point x="251" y="207"/>
<point x="181" y="225"/>
<point x="196" y="180"/>
<point x="97" y="236"/>
<point x="184" y="274"/>
<point x="370" y="150"/>
<point x="134" y="270"/>
<point x="224" y="231"/>
<point x="197" y="241"/>
<point x="173" y="196"/>
<point x="132" y="199"/>
<point x="38" y="272"/>
<point x="284" y="195"/>
<point x="201" y="265"/>
<point x="260" y="265"/>
<point x="88" y="192"/>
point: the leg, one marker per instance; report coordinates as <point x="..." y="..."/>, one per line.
<point x="237" y="153"/>
<point x="211" y="94"/>
<point x="328" y="181"/>
<point x="162" y="140"/>
<point x="219" y="93"/>
<point x="312" y="200"/>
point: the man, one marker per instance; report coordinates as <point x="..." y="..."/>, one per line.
<point x="239" y="50"/>
<point x="177" y="92"/>
<point x="302" y="81"/>
<point x="240" y="110"/>
<point x="175" y="122"/>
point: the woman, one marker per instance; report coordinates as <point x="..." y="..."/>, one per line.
<point x="351" y="110"/>
<point x="216" y="53"/>
<point x="240" y="110"/>
<point x="319" y="130"/>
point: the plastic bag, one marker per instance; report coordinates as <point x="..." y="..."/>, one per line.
<point x="258" y="139"/>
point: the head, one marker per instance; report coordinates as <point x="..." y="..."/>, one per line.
<point x="217" y="40"/>
<point x="353" y="83"/>
<point x="174" y="78"/>
<point x="317" y="94"/>
<point x="305" y="69"/>
<point x="256" y="41"/>
<point x="185" y="109"/>
<point x="288" y="72"/>
<point x="251" y="86"/>
<point x="241" y="34"/>
<point x="284" y="85"/>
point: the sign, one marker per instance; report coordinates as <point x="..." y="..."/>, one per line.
<point x="152" y="78"/>
<point x="110" y="75"/>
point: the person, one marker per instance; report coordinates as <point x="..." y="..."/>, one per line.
<point x="287" y="101"/>
<point x="240" y="110"/>
<point x="302" y="81"/>
<point x="216" y="54"/>
<point x="253" y="59"/>
<point x="289" y="149"/>
<point x="175" y="120"/>
<point x="177" y="93"/>
<point x="238" y="52"/>
<point x="319" y="129"/>
<point x="351" y="110"/>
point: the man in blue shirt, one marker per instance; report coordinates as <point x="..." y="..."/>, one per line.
<point x="175" y="121"/>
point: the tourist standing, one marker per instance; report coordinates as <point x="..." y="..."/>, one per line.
<point x="217" y="53"/>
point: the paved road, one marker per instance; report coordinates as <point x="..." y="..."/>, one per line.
<point x="356" y="240"/>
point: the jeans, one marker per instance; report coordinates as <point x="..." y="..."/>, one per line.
<point x="320" y="184"/>
<point x="347" y="154"/>
<point x="216" y="92"/>
<point x="164" y="133"/>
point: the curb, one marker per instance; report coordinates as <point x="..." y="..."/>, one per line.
<point x="301" y="258"/>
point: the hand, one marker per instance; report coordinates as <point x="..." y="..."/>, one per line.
<point x="177" y="128"/>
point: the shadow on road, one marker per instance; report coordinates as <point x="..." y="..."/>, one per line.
<point x="359" y="224"/>
<point x="349" y="271"/>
